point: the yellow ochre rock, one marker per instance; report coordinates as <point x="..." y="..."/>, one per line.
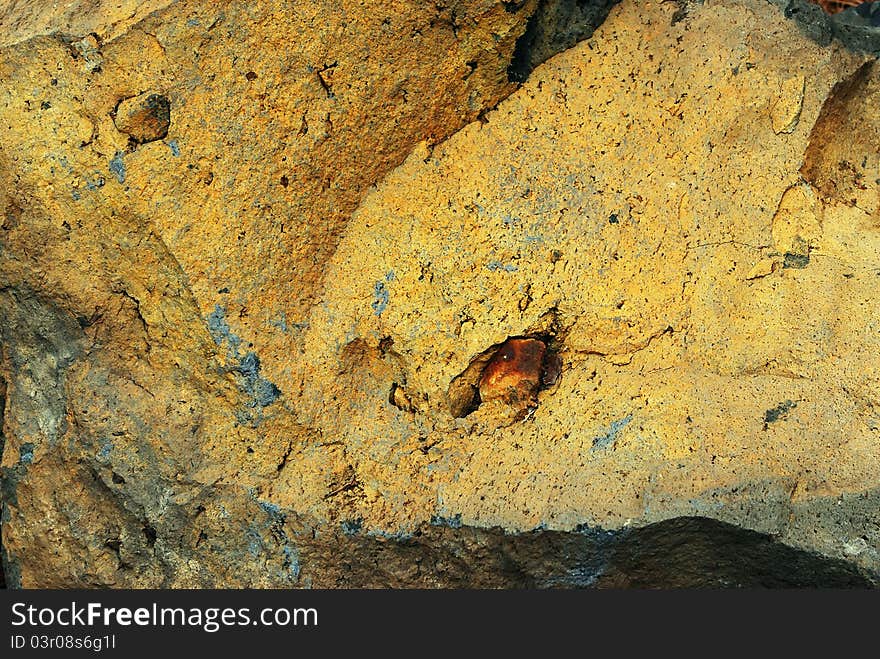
<point x="641" y="195"/>
<point x="247" y="352"/>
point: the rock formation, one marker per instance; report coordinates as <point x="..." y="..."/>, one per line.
<point x="255" y="261"/>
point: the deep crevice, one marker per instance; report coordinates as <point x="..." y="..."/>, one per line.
<point x="555" y="26"/>
<point x="855" y="29"/>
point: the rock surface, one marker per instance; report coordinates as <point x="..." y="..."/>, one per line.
<point x="144" y="118"/>
<point x="105" y="19"/>
<point x="223" y="365"/>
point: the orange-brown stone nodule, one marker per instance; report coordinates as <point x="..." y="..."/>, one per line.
<point x="145" y="118"/>
<point x="514" y="372"/>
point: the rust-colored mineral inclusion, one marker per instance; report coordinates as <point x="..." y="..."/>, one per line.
<point x="514" y="374"/>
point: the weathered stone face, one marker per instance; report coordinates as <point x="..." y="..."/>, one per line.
<point x="186" y="260"/>
<point x="242" y="352"/>
<point x="144" y="118"/>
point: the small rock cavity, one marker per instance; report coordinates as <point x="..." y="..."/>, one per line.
<point x="512" y="372"/>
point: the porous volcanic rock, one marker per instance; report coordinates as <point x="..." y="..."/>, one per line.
<point x="690" y="209"/>
<point x="228" y="362"/>
<point x="147" y="287"/>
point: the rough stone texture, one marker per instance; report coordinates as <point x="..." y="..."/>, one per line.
<point x="215" y="374"/>
<point x="857" y="28"/>
<point x="144" y="118"/>
<point x="129" y="276"/>
<point x="621" y="200"/>
<point x="106" y="19"/>
<point x="555" y="26"/>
